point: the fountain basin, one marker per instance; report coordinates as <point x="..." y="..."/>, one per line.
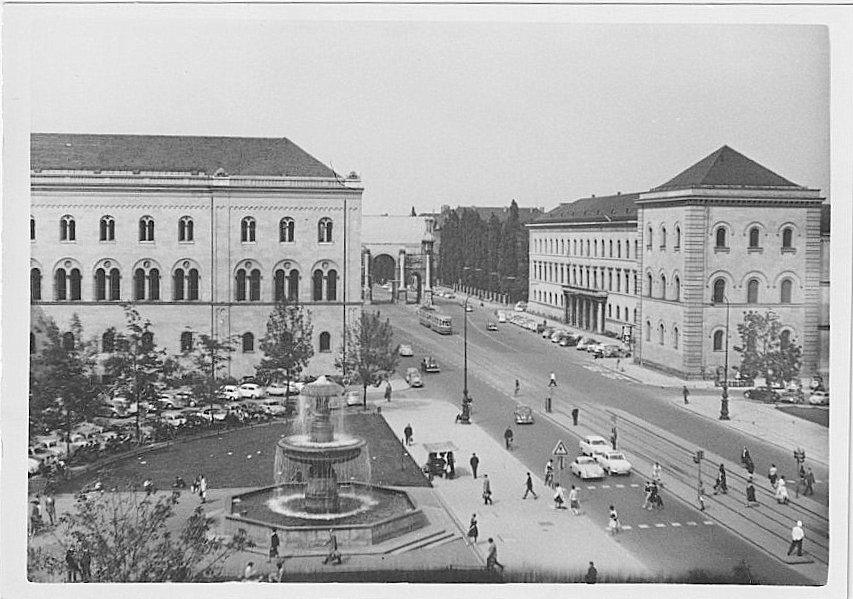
<point x="367" y="515"/>
<point x="300" y="448"/>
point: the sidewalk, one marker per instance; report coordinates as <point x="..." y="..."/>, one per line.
<point x="530" y="534"/>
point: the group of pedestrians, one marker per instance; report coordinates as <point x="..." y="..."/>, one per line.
<point x="78" y="564"/>
<point x="37" y="513"/>
<point x="199" y="487"/>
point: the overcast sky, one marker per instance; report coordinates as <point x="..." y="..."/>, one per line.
<point x="433" y="113"/>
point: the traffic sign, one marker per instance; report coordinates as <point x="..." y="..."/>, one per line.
<point x="560" y="449"/>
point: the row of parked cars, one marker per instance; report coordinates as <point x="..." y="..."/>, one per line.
<point x="598" y="459"/>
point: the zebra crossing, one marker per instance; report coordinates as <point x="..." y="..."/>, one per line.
<point x="665" y="525"/>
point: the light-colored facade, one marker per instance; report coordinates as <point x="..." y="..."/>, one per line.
<point x="202" y="235"/>
<point x="724" y="237"/>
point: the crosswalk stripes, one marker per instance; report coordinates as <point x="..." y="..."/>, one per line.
<point x="620" y="486"/>
<point x="627" y="527"/>
<point x="605" y="486"/>
<point x="635" y="485"/>
<point x="676" y="524"/>
<point x="660" y="525"/>
<point x="692" y="524"/>
<point x="664" y="525"/>
<point x="707" y="522"/>
<point x="642" y="526"/>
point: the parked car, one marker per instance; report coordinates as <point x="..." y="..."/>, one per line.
<point x="596" y="348"/>
<point x="584" y="342"/>
<point x="523" y="415"/>
<point x="491" y="326"/>
<point x="521" y="306"/>
<point x="251" y="391"/>
<point x="613" y="462"/>
<point x="428" y="364"/>
<point x="229" y="392"/>
<point x="413" y="377"/>
<point x="277" y="389"/>
<point x="213" y="414"/>
<point x="173" y="418"/>
<point x="501" y="316"/>
<point x="819" y="398"/>
<point x="593" y="444"/>
<point x="406" y="351"/>
<point x="586" y="467"/>
<point x="167" y="402"/>
<point x="762" y="394"/>
<point x="547" y="332"/>
<point x="568" y="340"/>
<point x="353" y="397"/>
<point x="274" y="407"/>
<point x="792" y="396"/>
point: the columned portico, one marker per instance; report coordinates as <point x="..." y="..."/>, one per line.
<point x="584" y="308"/>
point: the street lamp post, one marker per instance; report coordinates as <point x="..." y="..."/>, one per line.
<point x="465" y="351"/>
<point x="724" y="400"/>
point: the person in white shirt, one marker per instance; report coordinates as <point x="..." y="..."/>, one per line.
<point x="797" y="536"/>
<point x="574" y="503"/>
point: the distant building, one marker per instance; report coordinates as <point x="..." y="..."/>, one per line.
<point x="723" y="237"/>
<point x="201" y="234"/>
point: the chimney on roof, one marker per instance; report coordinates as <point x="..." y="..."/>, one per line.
<point x="593" y="195"/>
<point x="619" y="193"/>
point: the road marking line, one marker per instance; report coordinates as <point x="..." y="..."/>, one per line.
<point x="590" y="486"/>
<point x="676" y="524"/>
<point x="709" y="522"/>
<point x="660" y="525"/>
<point x="692" y="524"/>
<point x="627" y="527"/>
<point x="642" y="526"/>
<point x="605" y="486"/>
<point x="635" y="485"/>
<point x="620" y="486"/>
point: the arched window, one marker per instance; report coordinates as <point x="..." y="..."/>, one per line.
<point x="286" y="229"/>
<point x="610" y="244"/>
<point x="650" y="284"/>
<point x="255" y="285"/>
<point x="648" y="331"/>
<point x="139" y="284"/>
<point x="753" y="238"/>
<point x="676" y="283"/>
<point x="186" y="341"/>
<point x="146" y="229"/>
<point x="318" y="285"/>
<point x="752" y="291"/>
<point x="293" y="285"/>
<point x="68" y="341"/>
<point x="661" y="334"/>
<point x="663" y="286"/>
<point x="67" y="229"/>
<point x="675" y="337"/>
<point x="785" y="339"/>
<point x="677" y="237"/>
<point x="147" y="341"/>
<point x="662" y="237"/>
<point x="100" y="285"/>
<point x="587" y="247"/>
<point x="649" y="240"/>
<point x="108" y="341"/>
<point x="635" y="314"/>
<point x="787" y="238"/>
<point x="185" y="229"/>
<point x="720" y="237"/>
<point x="325" y="341"/>
<point x="627" y="248"/>
<point x="719" y="291"/>
<point x="610" y="280"/>
<point x="75" y="285"/>
<point x="595" y="247"/>
<point x="609" y="310"/>
<point x="32" y="229"/>
<point x="178" y="285"/>
<point x="108" y="228"/>
<point x="192" y="285"/>
<point x="279" y="287"/>
<point x="35" y="284"/>
<point x="240" y="286"/>
<point x="618" y="313"/>
<point x="247" y="230"/>
<point x="154" y="284"/>
<point x="324" y="230"/>
<point x="332" y="286"/>
<point x="785" y="296"/>
<point x="618" y="248"/>
<point x="248" y="342"/>
<point x="115" y="285"/>
<point x="59" y="285"/>
<point x="718" y="340"/>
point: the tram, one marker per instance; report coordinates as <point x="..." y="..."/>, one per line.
<point x="431" y="318"/>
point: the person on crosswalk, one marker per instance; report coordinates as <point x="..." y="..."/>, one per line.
<point x="559" y="498"/>
<point x="750" y="493"/>
<point x="528" y="487"/>
<point x="574" y="502"/>
<point x="613" y="524"/>
<point x="549" y="473"/>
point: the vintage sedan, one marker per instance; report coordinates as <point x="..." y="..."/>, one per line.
<point x="251" y="391"/>
<point x="523" y="415"/>
<point x="586" y="467"/>
<point x="491" y="326"/>
<point x="594" y="444"/>
<point x="819" y="398"/>
<point x="413" y="377"/>
<point x="429" y="364"/>
<point x="406" y="351"/>
<point x="613" y="462"/>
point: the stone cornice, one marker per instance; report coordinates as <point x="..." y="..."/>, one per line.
<point x="733" y="196"/>
<point x="585" y="224"/>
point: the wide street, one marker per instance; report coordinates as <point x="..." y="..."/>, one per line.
<point x="651" y="428"/>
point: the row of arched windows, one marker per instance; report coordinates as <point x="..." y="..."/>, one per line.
<point x="721" y="234"/>
<point x="248" y="229"/>
<point x="753" y="286"/>
<point x="600" y="248"/>
<point x="661" y="335"/>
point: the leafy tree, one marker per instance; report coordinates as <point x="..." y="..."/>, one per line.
<point x="287" y="346"/>
<point x="370" y="353"/>
<point x="209" y="358"/>
<point x="63" y="386"/>
<point x="763" y="350"/>
<point x="136" y="365"/>
<point x="132" y="537"/>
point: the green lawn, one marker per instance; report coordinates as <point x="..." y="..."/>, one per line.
<point x="816" y="415"/>
<point x="245" y="458"/>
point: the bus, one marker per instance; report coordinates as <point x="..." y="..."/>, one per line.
<point x="438" y="322"/>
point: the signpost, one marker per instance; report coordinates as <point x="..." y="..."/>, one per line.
<point x="560" y="452"/>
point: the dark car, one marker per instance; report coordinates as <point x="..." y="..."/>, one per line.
<point x="762" y="394"/>
<point x="429" y="364"/>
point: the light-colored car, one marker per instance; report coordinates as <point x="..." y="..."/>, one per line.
<point x="277" y="389"/>
<point x="501" y="316"/>
<point x="211" y="414"/>
<point x="594" y="444"/>
<point x="547" y="332"/>
<point x="586" y="467"/>
<point x="251" y="391"/>
<point x="614" y="462"/>
<point x="584" y="343"/>
<point x="428" y="364"/>
<point x="413" y="377"/>
<point x="406" y="350"/>
<point x="173" y="418"/>
<point x="819" y="398"/>
<point x="491" y="326"/>
<point x="275" y="407"/>
<point x="521" y="306"/>
<point x="469" y="308"/>
<point x="523" y="415"/>
<point x="353" y="398"/>
<point x="229" y="392"/>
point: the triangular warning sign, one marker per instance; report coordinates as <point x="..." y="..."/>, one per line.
<point x="560" y="449"/>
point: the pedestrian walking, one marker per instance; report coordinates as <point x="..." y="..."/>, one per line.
<point x="772" y="475"/>
<point x="274" y="543"/>
<point x="700" y="496"/>
<point x="656" y="474"/>
<point x="750" y="494"/>
<point x="686" y="394"/>
<point x="50" y="508"/>
<point x="655" y="500"/>
<point x="801" y="481"/>
<point x="407" y="433"/>
<point x="552" y="382"/>
<point x="508" y="438"/>
<point x="85" y="564"/>
<point x="492" y="556"/>
<point x="549" y="473"/>
<point x="591" y="574"/>
<point x="451" y="464"/>
<point x="574" y="501"/>
<point x="334" y="555"/>
<point x="517" y="387"/>
<point x="194" y="485"/>
<point x="474" y="461"/>
<point x="782" y="491"/>
<point x="809" y="490"/>
<point x="647" y="492"/>
<point x="797" y="536"/>
<point x="148" y="487"/>
<point x="613" y="524"/>
<point x="746" y="460"/>
<point x="575" y="413"/>
<point x="559" y="498"/>
<point x="202" y="488"/>
<point x="35" y="517"/>
<point x="613" y="438"/>
<point x="487" y="490"/>
<point x="72" y="568"/>
<point x="528" y="487"/>
<point x="721" y="486"/>
<point x="388" y="391"/>
<point x="473" y="529"/>
<point x="618" y="364"/>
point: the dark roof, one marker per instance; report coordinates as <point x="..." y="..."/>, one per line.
<point x="824" y="219"/>
<point x="166" y="153"/>
<point x="604" y="209"/>
<point x="726" y="168"/>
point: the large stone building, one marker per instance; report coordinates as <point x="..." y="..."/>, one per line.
<point x="201" y="234"/>
<point x="676" y="264"/>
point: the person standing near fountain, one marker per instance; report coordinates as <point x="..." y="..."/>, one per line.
<point x="334" y="555"/>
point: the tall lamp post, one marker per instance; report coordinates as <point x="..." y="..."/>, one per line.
<point x="465" y="398"/>
<point x="724" y="400"/>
